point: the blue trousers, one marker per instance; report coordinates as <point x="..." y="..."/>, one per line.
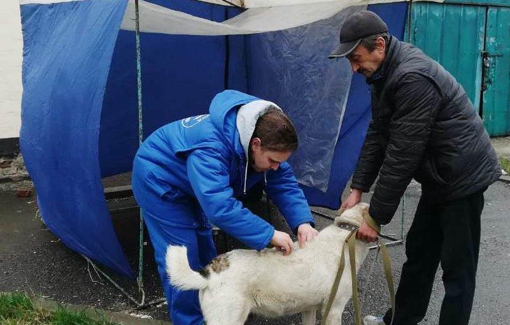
<point x="180" y="222"/>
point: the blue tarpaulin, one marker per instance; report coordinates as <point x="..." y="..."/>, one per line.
<point x="79" y="107"/>
<point x="67" y="56"/>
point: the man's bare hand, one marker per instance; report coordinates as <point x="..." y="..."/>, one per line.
<point x="282" y="242"/>
<point x="366" y="233"/>
<point x="306" y="233"/>
<point x="353" y="199"/>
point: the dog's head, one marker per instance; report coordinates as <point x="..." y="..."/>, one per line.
<point x="353" y="216"/>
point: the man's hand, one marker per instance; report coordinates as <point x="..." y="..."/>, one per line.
<point x="366" y="233"/>
<point x="306" y="233"/>
<point x="282" y="242"/>
<point x="353" y="199"/>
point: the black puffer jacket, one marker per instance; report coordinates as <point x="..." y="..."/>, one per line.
<point x="424" y="127"/>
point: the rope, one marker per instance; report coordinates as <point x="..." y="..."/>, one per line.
<point x="369" y="276"/>
<point x="354" y="279"/>
<point x="99" y="272"/>
<point x="150" y="304"/>
<point x="232" y="4"/>
<point x="336" y="282"/>
<point x="350" y="242"/>
<point x="96" y="269"/>
<point x="389" y="278"/>
<point x="139" y="279"/>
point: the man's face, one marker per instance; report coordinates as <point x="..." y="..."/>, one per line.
<point x="263" y="160"/>
<point x="365" y="62"/>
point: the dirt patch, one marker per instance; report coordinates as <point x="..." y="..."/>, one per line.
<point x="12" y="169"/>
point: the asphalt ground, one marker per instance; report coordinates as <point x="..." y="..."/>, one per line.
<point x="33" y="260"/>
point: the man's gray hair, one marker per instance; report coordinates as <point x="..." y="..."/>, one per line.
<point x="370" y="42"/>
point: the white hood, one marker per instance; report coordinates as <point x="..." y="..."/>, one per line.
<point x="247" y="117"/>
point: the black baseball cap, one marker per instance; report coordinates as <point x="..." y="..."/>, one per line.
<point x="362" y="24"/>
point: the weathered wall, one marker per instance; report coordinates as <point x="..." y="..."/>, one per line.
<point x="11" y="45"/>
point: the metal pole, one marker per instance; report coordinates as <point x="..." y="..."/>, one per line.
<point x="140" y="140"/>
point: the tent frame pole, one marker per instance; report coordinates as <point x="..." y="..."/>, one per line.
<point x="140" y="140"/>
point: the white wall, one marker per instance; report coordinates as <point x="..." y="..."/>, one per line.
<point x="11" y="45"/>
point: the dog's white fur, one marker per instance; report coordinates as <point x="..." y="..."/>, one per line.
<point x="270" y="284"/>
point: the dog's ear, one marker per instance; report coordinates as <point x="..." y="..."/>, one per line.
<point x="338" y="214"/>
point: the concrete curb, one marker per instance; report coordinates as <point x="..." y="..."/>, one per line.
<point x="116" y="317"/>
<point x="505" y="178"/>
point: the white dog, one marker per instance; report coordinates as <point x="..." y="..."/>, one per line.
<point x="270" y="284"/>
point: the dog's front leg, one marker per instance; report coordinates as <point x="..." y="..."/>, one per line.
<point x="337" y="309"/>
<point x="309" y="317"/>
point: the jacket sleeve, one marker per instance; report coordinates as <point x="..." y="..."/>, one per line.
<point x="283" y="189"/>
<point x="416" y="100"/>
<point x="208" y="173"/>
<point x="369" y="162"/>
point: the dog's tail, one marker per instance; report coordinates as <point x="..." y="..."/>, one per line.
<point x="179" y="271"/>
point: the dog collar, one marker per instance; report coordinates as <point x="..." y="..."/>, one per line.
<point x="347" y="226"/>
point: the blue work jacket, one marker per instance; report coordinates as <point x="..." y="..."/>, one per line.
<point x="202" y="157"/>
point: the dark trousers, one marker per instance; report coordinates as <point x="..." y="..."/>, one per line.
<point x="448" y="233"/>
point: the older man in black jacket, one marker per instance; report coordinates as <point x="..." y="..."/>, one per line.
<point x="423" y="127"/>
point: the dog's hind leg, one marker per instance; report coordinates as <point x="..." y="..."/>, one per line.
<point x="226" y="313"/>
<point x="308" y="317"/>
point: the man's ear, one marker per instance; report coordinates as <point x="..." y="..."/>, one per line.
<point x="380" y="45"/>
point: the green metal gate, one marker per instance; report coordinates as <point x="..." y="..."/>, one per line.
<point x="473" y="43"/>
<point x="496" y="85"/>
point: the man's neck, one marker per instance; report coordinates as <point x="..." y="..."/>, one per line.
<point x="380" y="72"/>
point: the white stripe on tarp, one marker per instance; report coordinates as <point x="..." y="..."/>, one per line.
<point x="44" y="2"/>
<point x="278" y="3"/>
<point x="228" y="3"/>
<point x="158" y="19"/>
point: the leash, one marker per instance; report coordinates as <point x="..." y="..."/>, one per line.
<point x="351" y="238"/>
<point x="351" y="244"/>
<point x="389" y="278"/>
<point x="369" y="276"/>
<point x="354" y="278"/>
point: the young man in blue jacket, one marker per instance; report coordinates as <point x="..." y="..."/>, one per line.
<point x="190" y="173"/>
